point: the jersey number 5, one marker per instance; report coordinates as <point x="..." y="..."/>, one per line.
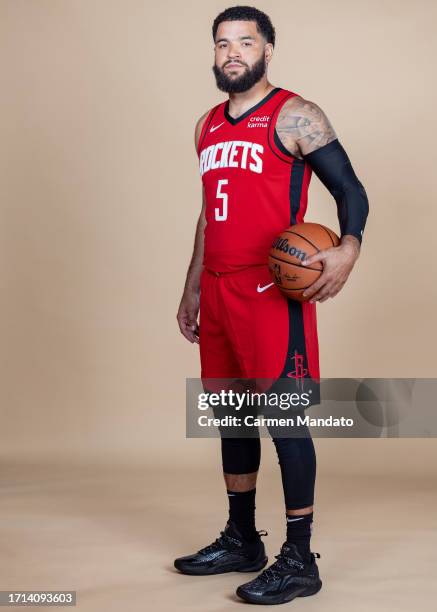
<point x="223" y="214"/>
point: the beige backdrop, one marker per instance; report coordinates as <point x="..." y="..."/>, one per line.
<point x="100" y="193"/>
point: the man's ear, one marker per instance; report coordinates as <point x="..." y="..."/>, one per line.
<point x="268" y="52"/>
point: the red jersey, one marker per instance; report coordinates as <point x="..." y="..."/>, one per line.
<point x="254" y="187"/>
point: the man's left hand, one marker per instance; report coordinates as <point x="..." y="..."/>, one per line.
<point x="337" y="265"/>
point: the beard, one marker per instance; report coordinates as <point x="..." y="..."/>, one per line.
<point x="248" y="79"/>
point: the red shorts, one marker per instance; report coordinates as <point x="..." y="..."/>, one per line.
<point x="248" y="329"/>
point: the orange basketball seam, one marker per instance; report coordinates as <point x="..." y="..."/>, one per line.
<point x="326" y="230"/>
<point x="303" y="238"/>
<point x="293" y="288"/>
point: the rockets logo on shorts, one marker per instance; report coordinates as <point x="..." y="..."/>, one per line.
<point x="232" y="154"/>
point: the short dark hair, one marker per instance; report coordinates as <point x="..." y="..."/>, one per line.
<point x="247" y="13"/>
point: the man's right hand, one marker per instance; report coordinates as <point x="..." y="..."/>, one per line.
<point x="187" y="316"/>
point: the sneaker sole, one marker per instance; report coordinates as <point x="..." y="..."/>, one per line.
<point x="279" y="599"/>
<point x="254" y="566"/>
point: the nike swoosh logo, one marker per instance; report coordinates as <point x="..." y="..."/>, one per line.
<point x="289" y="520"/>
<point x="261" y="289"/>
<point x="213" y="128"/>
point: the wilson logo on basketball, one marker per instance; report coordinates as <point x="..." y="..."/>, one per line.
<point x="282" y="245"/>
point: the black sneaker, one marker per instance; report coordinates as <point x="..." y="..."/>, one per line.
<point x="287" y="578"/>
<point x="229" y="553"/>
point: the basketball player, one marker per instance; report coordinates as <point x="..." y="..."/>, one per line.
<point x="256" y="154"/>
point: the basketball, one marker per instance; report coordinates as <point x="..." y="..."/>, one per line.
<point x="290" y="248"/>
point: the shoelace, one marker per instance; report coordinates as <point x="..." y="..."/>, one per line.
<point x="222" y="542"/>
<point x="282" y="563"/>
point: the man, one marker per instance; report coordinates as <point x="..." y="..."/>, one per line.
<point x="256" y="154"/>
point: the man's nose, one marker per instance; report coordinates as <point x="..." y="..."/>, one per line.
<point x="233" y="51"/>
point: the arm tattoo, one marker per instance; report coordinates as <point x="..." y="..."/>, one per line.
<point x="303" y="127"/>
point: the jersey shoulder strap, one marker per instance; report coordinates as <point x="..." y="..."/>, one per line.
<point x="273" y="139"/>
<point x="206" y="125"/>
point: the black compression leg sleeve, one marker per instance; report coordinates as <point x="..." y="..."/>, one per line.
<point x="297" y="459"/>
<point x="241" y="455"/>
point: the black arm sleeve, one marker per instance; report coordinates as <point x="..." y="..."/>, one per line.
<point x="333" y="167"/>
